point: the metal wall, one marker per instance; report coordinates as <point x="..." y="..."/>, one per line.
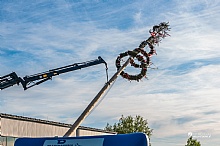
<point x="17" y="126"/>
<point x="20" y="128"/>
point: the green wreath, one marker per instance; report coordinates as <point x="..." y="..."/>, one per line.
<point x="134" y="54"/>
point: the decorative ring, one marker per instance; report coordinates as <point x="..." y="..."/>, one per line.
<point x="134" y="54"/>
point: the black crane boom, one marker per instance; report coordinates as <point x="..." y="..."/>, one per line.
<point x="28" y="81"/>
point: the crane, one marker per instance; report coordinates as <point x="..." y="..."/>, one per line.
<point x="29" y="81"/>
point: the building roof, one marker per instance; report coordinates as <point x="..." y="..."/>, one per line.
<point x="23" y="118"/>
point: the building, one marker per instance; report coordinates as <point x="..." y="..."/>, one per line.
<point x="12" y="127"/>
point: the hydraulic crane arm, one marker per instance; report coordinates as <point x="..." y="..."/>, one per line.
<point x="9" y="80"/>
<point x="28" y="81"/>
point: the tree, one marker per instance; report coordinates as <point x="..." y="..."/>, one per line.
<point x="192" y="142"/>
<point x="130" y="124"/>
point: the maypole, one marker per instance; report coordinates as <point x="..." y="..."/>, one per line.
<point x="156" y="35"/>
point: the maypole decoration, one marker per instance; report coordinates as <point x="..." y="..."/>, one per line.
<point x="158" y="32"/>
<point x="156" y="35"/>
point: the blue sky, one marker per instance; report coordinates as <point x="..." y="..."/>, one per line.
<point x="181" y="96"/>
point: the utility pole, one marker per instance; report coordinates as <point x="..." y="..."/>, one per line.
<point x="94" y="101"/>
